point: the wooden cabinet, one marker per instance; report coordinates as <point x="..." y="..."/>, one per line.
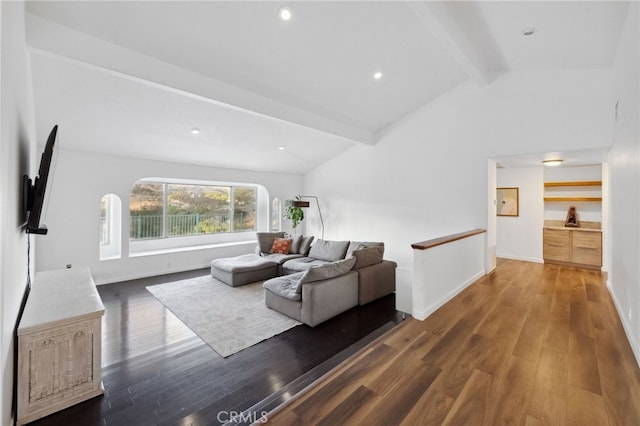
<point x="572" y="246"/>
<point x="59" y="343"/>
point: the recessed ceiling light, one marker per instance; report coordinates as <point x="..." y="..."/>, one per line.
<point x="377" y="75"/>
<point x="195" y="131"/>
<point x="285" y="13"/>
<point x="552" y="163"/>
<point x="528" y="32"/>
<point x="282" y="147"/>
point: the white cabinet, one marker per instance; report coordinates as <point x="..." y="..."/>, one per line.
<point x="59" y="343"/>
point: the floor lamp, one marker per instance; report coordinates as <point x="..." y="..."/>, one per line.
<point x="301" y="203"/>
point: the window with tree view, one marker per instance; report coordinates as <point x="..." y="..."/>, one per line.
<point x="160" y="210"/>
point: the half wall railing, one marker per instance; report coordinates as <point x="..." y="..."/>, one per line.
<point x="443" y="267"/>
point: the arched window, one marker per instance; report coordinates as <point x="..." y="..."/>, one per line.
<point x="276" y="215"/>
<point x="110" y="227"/>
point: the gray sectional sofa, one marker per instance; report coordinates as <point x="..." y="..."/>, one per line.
<point x="320" y="280"/>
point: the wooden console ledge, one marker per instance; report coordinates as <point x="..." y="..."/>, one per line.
<point x="446" y="239"/>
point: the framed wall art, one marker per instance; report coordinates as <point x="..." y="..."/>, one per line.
<point x="507" y="202"/>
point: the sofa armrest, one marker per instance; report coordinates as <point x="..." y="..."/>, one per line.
<point x="325" y="299"/>
<point x="376" y="281"/>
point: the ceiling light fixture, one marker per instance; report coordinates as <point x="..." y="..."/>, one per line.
<point x="285" y="13"/>
<point x="528" y="32"/>
<point x="552" y="163"/>
<point x="377" y="75"/>
<point x="282" y="147"/>
<point x="195" y="131"/>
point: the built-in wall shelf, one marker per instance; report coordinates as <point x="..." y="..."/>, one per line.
<point x="577" y="191"/>
<point x="597" y="199"/>
<point x="578" y="183"/>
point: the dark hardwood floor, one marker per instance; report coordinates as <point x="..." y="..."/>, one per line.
<point x="156" y="371"/>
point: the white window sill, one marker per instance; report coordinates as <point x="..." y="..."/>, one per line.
<point x="191" y="248"/>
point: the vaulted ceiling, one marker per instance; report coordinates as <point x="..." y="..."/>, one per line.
<point x="134" y="78"/>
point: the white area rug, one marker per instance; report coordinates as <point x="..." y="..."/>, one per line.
<point x="228" y="319"/>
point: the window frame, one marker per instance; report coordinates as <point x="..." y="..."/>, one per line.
<point x="139" y="247"/>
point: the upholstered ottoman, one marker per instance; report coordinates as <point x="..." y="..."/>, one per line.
<point x="245" y="269"/>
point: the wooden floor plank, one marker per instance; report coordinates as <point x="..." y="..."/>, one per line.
<point x="346" y="410"/>
<point x="617" y="389"/>
<point x="454" y="378"/>
<point x="583" y="369"/>
<point x="531" y="337"/>
<point x="477" y="403"/>
<point x="548" y="402"/>
<point x="585" y="408"/>
<point x="556" y="335"/>
<point x="441" y="352"/>
<point x="515" y="392"/>
<point x="401" y="398"/>
<point x="430" y="410"/>
<point x="402" y="365"/>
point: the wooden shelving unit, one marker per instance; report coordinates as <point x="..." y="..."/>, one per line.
<point x="579" y="183"/>
<point x="582" y="246"/>
<point x="573" y="198"/>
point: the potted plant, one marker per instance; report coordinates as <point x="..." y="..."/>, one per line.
<point x="293" y="212"/>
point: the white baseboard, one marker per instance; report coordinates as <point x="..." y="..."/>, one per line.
<point x="424" y="313"/>
<point x="625" y="325"/>
<point x="129" y="277"/>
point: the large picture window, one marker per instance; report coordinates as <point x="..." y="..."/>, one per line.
<point x="165" y="209"/>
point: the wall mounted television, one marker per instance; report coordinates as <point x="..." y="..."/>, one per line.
<point x="37" y="192"/>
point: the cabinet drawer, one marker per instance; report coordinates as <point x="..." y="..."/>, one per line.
<point x="591" y="240"/>
<point x="556" y="245"/>
<point x="587" y="248"/>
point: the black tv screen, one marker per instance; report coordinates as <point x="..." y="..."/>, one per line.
<point x="37" y="193"/>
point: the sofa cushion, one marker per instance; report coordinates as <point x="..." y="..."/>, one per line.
<point x="305" y="245"/>
<point x="280" y="245"/>
<point x="326" y="271"/>
<point x="265" y="240"/>
<point x="302" y="264"/>
<point x="243" y="263"/>
<point x="367" y="256"/>
<point x="354" y="245"/>
<point x="329" y="250"/>
<point x="285" y="286"/>
<point x="296" y="239"/>
<point x="280" y="258"/>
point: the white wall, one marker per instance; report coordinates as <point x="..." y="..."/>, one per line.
<point x="427" y="177"/>
<point x="520" y="237"/>
<point x="624" y="178"/>
<point x="492" y="178"/>
<point x="82" y="179"/>
<point x="17" y="148"/>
